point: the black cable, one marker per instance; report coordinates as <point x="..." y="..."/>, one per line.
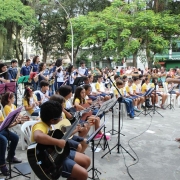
<point x="127" y="167"/>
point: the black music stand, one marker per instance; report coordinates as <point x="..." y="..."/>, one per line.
<point x="154" y="107"/>
<point x="170" y="106"/>
<point x="103" y="109"/>
<point x="118" y="144"/>
<point x="91" y="139"/>
<point x="144" y="112"/>
<point x="78" y="81"/>
<point x="4" y="126"/>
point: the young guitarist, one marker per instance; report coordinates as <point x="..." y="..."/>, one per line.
<point x="76" y="164"/>
<point x="80" y="103"/>
<point x="76" y="143"/>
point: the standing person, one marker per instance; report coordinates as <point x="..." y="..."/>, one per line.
<point x="4" y="76"/>
<point x="25" y="70"/>
<point x="13" y="70"/>
<point x="58" y="73"/>
<point x="76" y="164"/>
<point x="72" y="77"/>
<point x="82" y="70"/>
<point x="43" y="74"/>
<point x="51" y="79"/>
<point x="34" y="68"/>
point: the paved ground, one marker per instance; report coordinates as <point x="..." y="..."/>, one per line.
<point x="157" y="151"/>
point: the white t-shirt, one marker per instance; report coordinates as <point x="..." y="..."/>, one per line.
<point x="81" y="71"/>
<point x="31" y="102"/>
<point x="69" y="104"/>
<point x="42" y="95"/>
<point x="71" y="78"/>
<point x="60" y="76"/>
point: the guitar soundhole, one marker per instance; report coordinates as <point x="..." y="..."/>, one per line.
<point x="59" y="150"/>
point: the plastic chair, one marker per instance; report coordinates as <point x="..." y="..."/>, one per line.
<point x="2" y="89"/>
<point x="173" y="96"/>
<point x="26" y="134"/>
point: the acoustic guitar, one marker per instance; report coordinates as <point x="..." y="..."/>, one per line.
<point x="46" y="160"/>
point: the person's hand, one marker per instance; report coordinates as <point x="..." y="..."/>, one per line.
<point x="79" y="128"/>
<point x="91" y="120"/>
<point x="61" y="143"/>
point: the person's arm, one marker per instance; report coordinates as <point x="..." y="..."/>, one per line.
<point x="77" y="105"/>
<point x="67" y="114"/>
<point x="45" y="139"/>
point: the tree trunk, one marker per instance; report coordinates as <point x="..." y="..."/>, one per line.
<point x="149" y="60"/>
<point x="44" y="56"/>
<point x="135" y="59"/>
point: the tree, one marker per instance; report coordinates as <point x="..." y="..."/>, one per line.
<point x="125" y="29"/>
<point x="14" y="17"/>
<point x="51" y="33"/>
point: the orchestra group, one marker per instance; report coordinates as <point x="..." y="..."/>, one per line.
<point x="51" y="95"/>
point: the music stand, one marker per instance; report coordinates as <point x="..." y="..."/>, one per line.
<point x="91" y="139"/>
<point x="78" y="81"/>
<point x="118" y="144"/>
<point x="154" y="107"/>
<point x="12" y="116"/>
<point x="170" y="106"/>
<point x="148" y="92"/>
<point x="104" y="108"/>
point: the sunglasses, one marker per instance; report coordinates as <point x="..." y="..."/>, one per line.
<point x="59" y="118"/>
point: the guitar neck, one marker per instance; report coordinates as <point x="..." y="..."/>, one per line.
<point x="71" y="129"/>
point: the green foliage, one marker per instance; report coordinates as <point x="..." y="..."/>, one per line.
<point x="125" y="29"/>
<point x="14" y="16"/>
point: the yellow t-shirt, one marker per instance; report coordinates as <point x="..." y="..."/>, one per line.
<point x="1" y="116"/>
<point x="78" y="101"/>
<point x="144" y="88"/>
<point x="152" y="85"/>
<point x="25" y="103"/>
<point x="134" y="87"/>
<point x="97" y="86"/>
<point x="40" y="126"/>
<point x="8" y="109"/>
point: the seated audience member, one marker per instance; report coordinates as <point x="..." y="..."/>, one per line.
<point x="137" y="91"/>
<point x="128" y="102"/>
<point x="30" y="102"/>
<point x="159" y="93"/>
<point x="76" y="142"/>
<point x="76" y="164"/>
<point x="4" y="136"/>
<point x="80" y="103"/>
<point x="101" y="88"/>
<point x="145" y="87"/>
<point x="42" y="94"/>
<point x="131" y="95"/>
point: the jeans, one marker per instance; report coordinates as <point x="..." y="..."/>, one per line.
<point x="36" y="112"/>
<point x="3" y="145"/>
<point x="129" y="106"/>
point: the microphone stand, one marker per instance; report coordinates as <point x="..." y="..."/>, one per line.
<point x="119" y="126"/>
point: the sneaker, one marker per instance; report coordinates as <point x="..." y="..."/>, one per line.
<point x="99" y="136"/>
<point x="157" y="105"/>
<point x="163" y="107"/>
<point x="137" y="110"/>
<point x="4" y="170"/>
<point x="14" y="160"/>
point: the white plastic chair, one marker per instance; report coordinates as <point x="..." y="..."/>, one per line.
<point x="26" y="134"/>
<point x="173" y="96"/>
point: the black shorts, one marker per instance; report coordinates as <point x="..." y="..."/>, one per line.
<point x="74" y="142"/>
<point x="68" y="164"/>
